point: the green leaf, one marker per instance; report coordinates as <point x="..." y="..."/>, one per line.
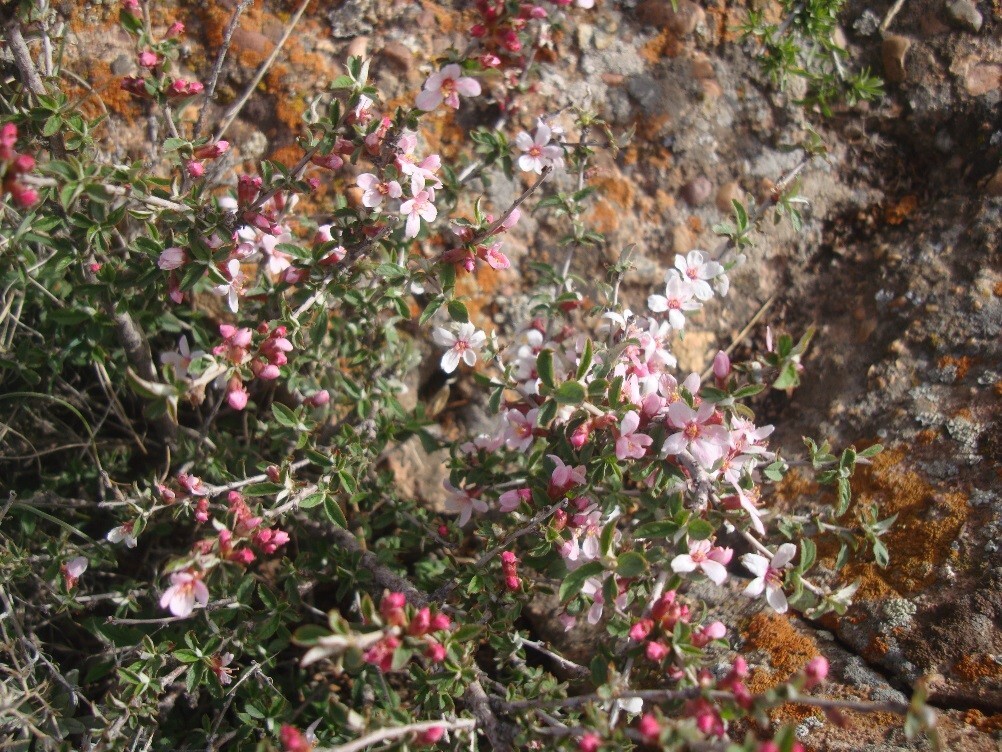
<point x="700" y="529"/>
<point x="586" y="358"/>
<point x="285" y="416"/>
<point x="570" y="393"/>
<point x="313" y="500"/>
<point x="573" y="582"/>
<point x="544" y="367"/>
<point x="334" y="513"/>
<point x="656" y="530"/>
<point x="808" y="554"/>
<point x="186" y="656"/>
<point x="458" y="312"/>
<point x="547" y="412"/>
<point x="872" y="451"/>
<point x="844" y="496"/>
<point x="788" y="377"/>
<point x="431" y="309"/>
<point x="630" y="564"/>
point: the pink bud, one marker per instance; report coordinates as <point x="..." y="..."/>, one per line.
<point x="24" y="197"/>
<point x="589" y="743"/>
<point x="420" y="623"/>
<point x="641" y="629"/>
<point x="212" y="151"/>
<point x="440" y="623"/>
<point x="320" y="399"/>
<point x="512" y="582"/>
<point x="148" y="59"/>
<point x="721" y="365"/>
<point x="656" y="651"/>
<point x="649" y="728"/>
<point x="24" y="163"/>
<point x="195" y="168"/>
<point x="237" y="395"/>
<point x="430" y="736"/>
<point x="816" y="670"/>
<point x="176" y="29"/>
<point x="172" y="258"/>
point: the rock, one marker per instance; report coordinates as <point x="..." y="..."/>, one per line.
<point x="358" y="47"/>
<point x="893" y="51"/>
<point x="401" y="58"/>
<point x="122" y="66"/>
<point x="683" y="21"/>
<point x="728" y="192"/>
<point x="964" y="14"/>
<point x="682" y="239"/>
<point x="584" y="35"/>
<point x="697" y="191"/>
<point x="983" y="78"/>
<point x="994" y="185"/>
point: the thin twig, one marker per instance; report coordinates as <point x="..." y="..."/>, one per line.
<point x="395" y="732"/>
<point x="890" y="15"/>
<point x="217" y="66"/>
<point x="743" y="333"/>
<point x="232" y="113"/>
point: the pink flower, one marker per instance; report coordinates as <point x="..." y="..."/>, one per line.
<point x="462" y="344"/>
<point x="537" y="151"/>
<point x="493" y="257"/>
<point x="520" y="429"/>
<point x="176" y="29"/>
<point x="509" y="501"/>
<point x="631" y="444"/>
<point x="375" y="190"/>
<point x="769" y="575"/>
<point x="186" y="589"/>
<point x="656" y="651"/>
<point x="418" y="208"/>
<point x="678" y="297"/>
<point x="446" y="84"/>
<point x="564" y="478"/>
<point x="706" y="441"/>
<point x="703" y="555"/>
<point x="269" y="540"/>
<point x="462" y="502"/>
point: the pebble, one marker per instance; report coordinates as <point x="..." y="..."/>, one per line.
<point x="585" y="32"/>
<point x="697" y="191"/>
<point x="983" y="78"/>
<point x="683" y="21"/>
<point x="682" y="239"/>
<point x="964" y="14"/>
<point x="893" y="51"/>
<point x="729" y="191"/>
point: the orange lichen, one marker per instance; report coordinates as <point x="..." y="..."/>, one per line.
<point x="789" y="650"/>
<point x="962" y="364"/>
<point x="929" y="520"/>
<point x="618" y="191"/>
<point x="978" y="666"/>
<point x="604" y="216"/>
<point x="665" y="44"/>
<point x="985" y="723"/>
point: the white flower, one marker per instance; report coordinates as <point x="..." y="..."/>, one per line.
<point x="181" y="359"/>
<point x="235" y="287"/>
<point x="462" y="343"/>
<point x="538" y="154"/>
<point x="696" y="270"/>
<point x="418" y="208"/>
<point x="375" y="190"/>
<point x="122" y="534"/>
<point x="769" y="575"/>
<point x="678" y="297"/>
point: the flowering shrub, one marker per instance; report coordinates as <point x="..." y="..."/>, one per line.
<point x="229" y="365"/>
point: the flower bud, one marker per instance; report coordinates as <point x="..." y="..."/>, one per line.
<point x="721" y="366"/>
<point x="816" y="670"/>
<point x="148" y="59"/>
<point x="176" y="29"/>
<point x="589" y="743"/>
<point x="440" y="623"/>
<point x="420" y="623"/>
<point x="649" y="728"/>
<point x="430" y="736"/>
<point x="641" y="629"/>
<point x="195" y="168"/>
<point x="656" y="651"/>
